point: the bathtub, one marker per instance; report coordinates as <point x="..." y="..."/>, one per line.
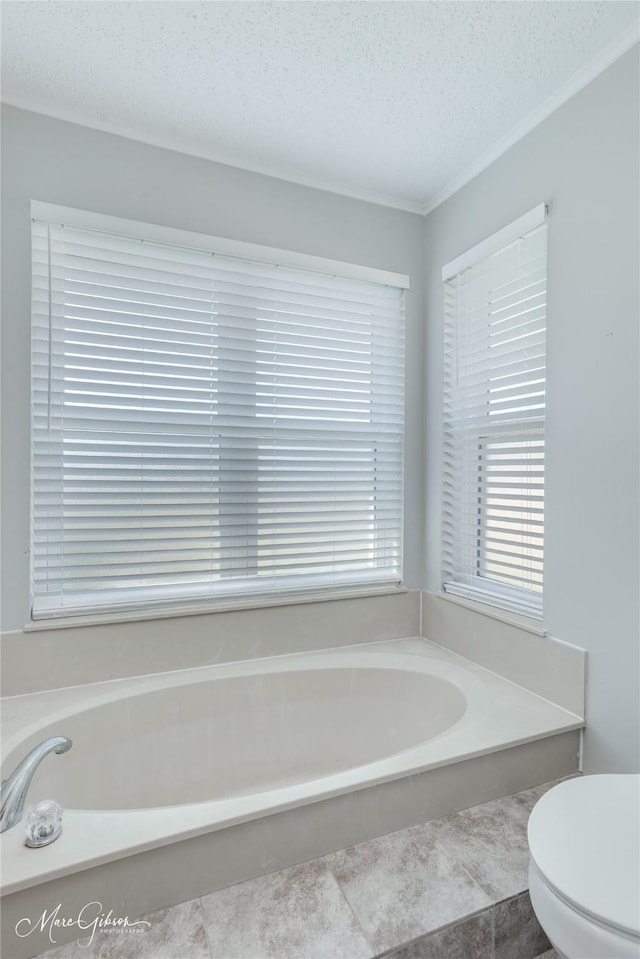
<point x="233" y="732"/>
<point x="299" y="754"/>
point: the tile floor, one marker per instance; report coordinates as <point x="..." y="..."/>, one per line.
<point x="453" y="888"/>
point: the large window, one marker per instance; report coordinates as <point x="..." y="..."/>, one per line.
<point x="494" y="406"/>
<point x="206" y="425"/>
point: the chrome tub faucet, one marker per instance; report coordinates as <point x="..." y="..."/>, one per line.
<point x="14" y="789"/>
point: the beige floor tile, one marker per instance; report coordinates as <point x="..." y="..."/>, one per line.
<point x="297" y="912"/>
<point x="404" y="885"/>
<point x="490" y="842"/>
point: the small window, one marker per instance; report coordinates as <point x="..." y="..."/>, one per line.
<point x="494" y="408"/>
<point x="207" y="426"/>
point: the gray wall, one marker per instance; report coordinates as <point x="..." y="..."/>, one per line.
<point x="47" y="159"/>
<point x="584" y="161"/>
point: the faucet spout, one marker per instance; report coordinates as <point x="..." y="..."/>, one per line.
<point x="14" y="789"/>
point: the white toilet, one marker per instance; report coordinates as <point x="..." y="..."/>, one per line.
<point x="584" y="866"/>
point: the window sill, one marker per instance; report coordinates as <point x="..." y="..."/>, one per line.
<point x="223" y="606"/>
<point x="495" y="612"/>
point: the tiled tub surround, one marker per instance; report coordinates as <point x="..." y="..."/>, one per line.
<point x="452" y="888"/>
<point x="488" y="738"/>
<point x="80" y="653"/>
<point x="507" y="645"/>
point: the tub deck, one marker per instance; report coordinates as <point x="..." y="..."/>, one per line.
<point x="507" y="740"/>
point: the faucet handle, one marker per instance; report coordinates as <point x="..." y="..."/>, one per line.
<point x="44" y="823"/>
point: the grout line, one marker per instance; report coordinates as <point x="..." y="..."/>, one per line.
<point x="344" y="896"/>
<point x="205" y="926"/>
<point x="493" y="932"/>
<point x="476" y="882"/>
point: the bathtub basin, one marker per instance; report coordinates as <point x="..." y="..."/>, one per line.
<point x="230" y="735"/>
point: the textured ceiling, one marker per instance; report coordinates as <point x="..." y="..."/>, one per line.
<point x="386" y="100"/>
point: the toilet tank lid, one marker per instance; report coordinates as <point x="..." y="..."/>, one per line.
<point x="584" y="837"/>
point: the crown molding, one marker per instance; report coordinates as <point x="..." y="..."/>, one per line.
<point x="176" y="145"/>
<point x="612" y="52"/>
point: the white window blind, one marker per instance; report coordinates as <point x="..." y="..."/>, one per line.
<point x="494" y="406"/>
<point x="207" y="426"/>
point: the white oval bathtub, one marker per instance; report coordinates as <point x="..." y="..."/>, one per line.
<point x="239" y="735"/>
<point x="161" y="759"/>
